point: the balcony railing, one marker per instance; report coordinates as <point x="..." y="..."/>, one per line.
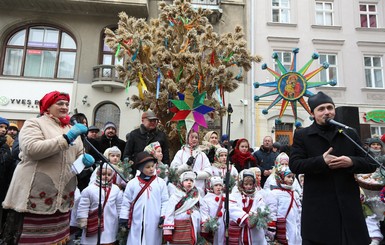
<point x="106" y="76"/>
<point x="206" y="2"/>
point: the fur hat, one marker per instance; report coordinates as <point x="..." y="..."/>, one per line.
<point x="219" y="151"/>
<point x="187" y="175"/>
<point x="246" y="172"/>
<point x="112" y="150"/>
<point x="318" y="99"/>
<point x="142" y="158"/>
<point x="375" y="140"/>
<point x="109" y="125"/>
<point x="4" y="121"/>
<point x="216" y="180"/>
<point x="50" y="99"/>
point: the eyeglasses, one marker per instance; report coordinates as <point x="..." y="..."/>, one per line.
<point x="62" y="103"/>
<point x="152" y="120"/>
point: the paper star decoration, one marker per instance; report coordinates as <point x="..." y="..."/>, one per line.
<point x="190" y="110"/>
<point x="291" y="85"/>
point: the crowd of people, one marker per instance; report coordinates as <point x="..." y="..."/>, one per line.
<point x="59" y="188"/>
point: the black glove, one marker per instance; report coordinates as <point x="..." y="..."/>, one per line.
<point x="161" y="221"/>
<point x="190" y="161"/>
<point x="3" y="139"/>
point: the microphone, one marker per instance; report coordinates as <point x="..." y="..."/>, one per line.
<point x="338" y="124"/>
<point x="82" y="136"/>
<point x="229" y="108"/>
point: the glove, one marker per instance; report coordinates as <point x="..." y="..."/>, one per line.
<point x="88" y="160"/>
<point x="161" y="221"/>
<point x="75" y="131"/>
<point x="123" y="223"/>
<point x="190" y="161"/>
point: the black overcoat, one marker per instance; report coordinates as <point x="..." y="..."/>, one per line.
<point x="331" y="198"/>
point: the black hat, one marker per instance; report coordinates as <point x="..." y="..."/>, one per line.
<point x="143" y="158"/>
<point x="277" y="145"/>
<point x="318" y="99"/>
<point x="93" y="128"/>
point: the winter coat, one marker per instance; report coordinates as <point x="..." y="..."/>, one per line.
<point x="7" y="167"/>
<point x="43" y="182"/>
<point x="104" y="143"/>
<point x="331" y="205"/>
<point x="139" y="138"/>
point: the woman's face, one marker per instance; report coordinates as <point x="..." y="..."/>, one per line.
<point x="193" y="139"/>
<point x="244" y="147"/>
<point x="214" y="139"/>
<point x="158" y="154"/>
<point x="59" y="109"/>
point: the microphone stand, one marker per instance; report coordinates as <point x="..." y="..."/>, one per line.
<point x="341" y="131"/>
<point x="227" y="178"/>
<point x="104" y="160"/>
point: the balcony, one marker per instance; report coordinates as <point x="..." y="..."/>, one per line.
<point x="135" y="8"/>
<point x="213" y="5"/>
<point x="105" y="76"/>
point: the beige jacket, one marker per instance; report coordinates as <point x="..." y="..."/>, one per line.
<point x="43" y="182"/>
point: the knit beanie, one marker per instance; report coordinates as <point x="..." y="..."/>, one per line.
<point x="112" y="150"/>
<point x="375" y="140"/>
<point x="318" y="99"/>
<point x="4" y="121"/>
<point x="187" y="175"/>
<point x="216" y="180"/>
<point x="109" y="125"/>
<point x="219" y="151"/>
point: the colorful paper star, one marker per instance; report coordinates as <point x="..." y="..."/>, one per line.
<point x="190" y="110"/>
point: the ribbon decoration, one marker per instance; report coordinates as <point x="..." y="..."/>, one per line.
<point x="141" y="86"/>
<point x="218" y="92"/>
<point x="158" y="84"/>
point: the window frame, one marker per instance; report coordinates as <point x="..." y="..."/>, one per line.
<point x="367" y="14"/>
<point x="372" y="69"/>
<point x="324" y="11"/>
<point x="280" y="12"/>
<point x="327" y="71"/>
<point x="27" y="47"/>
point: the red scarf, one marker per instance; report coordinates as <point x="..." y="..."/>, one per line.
<point x="242" y="159"/>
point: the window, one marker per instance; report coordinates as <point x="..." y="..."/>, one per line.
<point x="285" y="57"/>
<point x="109" y="58"/>
<point x="324" y="13"/>
<point x="373" y="71"/>
<point x="281" y="11"/>
<point x="368" y="15"/>
<point x="377" y="130"/>
<point x="331" y="72"/>
<point x="108" y="112"/>
<point x="40" y="51"/>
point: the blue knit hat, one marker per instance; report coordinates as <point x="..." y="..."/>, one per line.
<point x="224" y="137"/>
<point x="4" y="121"/>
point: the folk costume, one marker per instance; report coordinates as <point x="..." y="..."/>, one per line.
<point x="144" y="203"/>
<point x="43" y="185"/>
<point x="285" y="207"/>
<point x="208" y="148"/>
<point x="201" y="165"/>
<point x="242" y="205"/>
<point x="182" y="215"/>
<point x="220" y="169"/>
<point x="87" y="211"/>
<point x="212" y="208"/>
<point x="161" y="168"/>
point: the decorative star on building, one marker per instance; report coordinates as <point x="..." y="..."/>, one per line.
<point x="291" y="85"/>
<point x="190" y="110"/>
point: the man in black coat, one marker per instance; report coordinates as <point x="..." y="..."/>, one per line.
<point x="332" y="211"/>
<point x="110" y="139"/>
<point x="144" y="135"/>
<point x="265" y="157"/>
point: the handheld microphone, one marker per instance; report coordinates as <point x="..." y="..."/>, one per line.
<point x="82" y="136"/>
<point x="229" y="108"/>
<point x="338" y="124"/>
